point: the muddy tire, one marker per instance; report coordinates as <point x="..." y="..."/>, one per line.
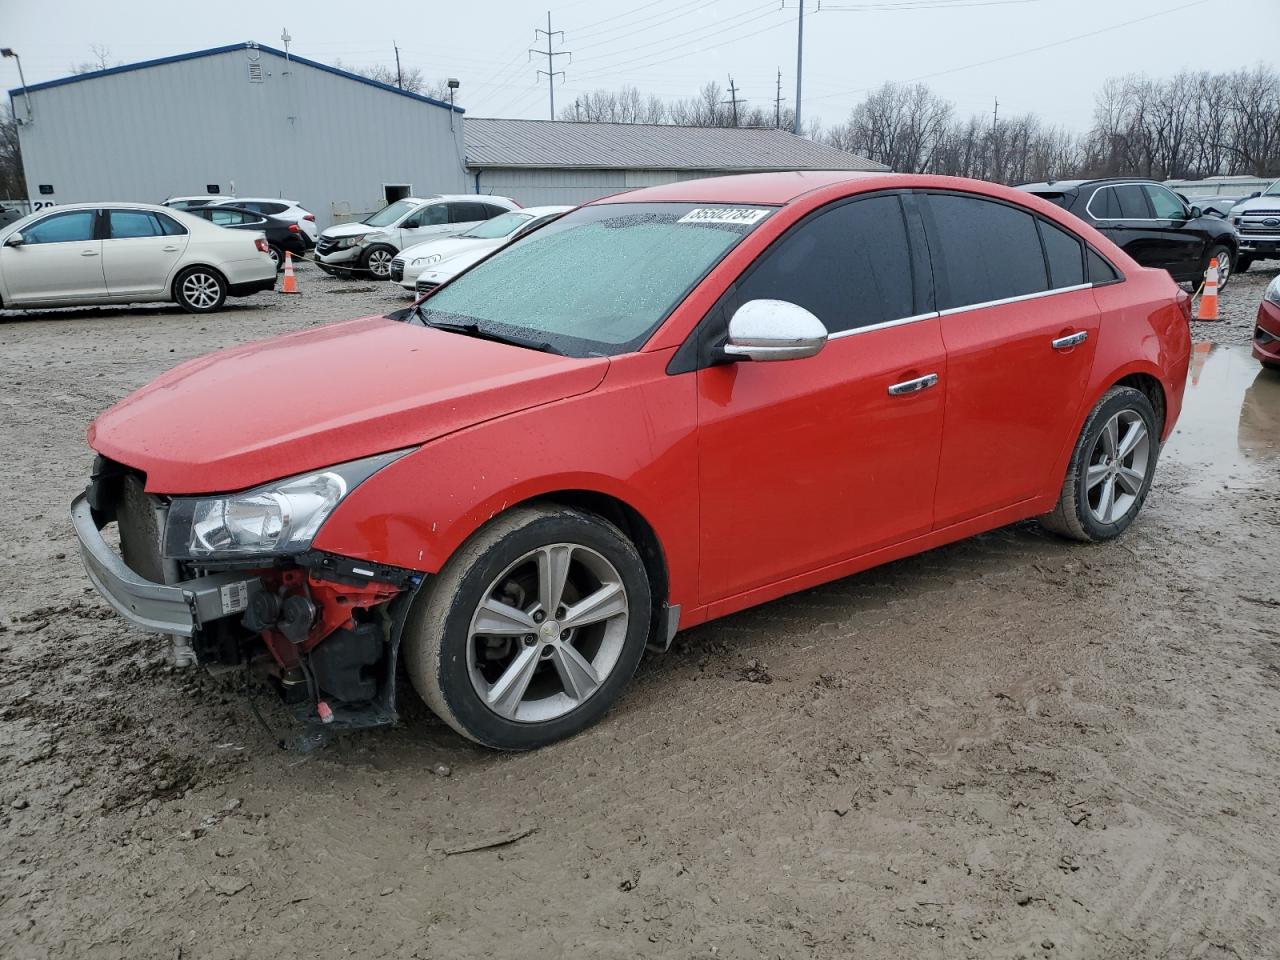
<point x="1111" y="469"/>
<point x="532" y="629"/>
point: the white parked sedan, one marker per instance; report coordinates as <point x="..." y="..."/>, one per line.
<point x="470" y="247"/>
<point x="97" y="253"/>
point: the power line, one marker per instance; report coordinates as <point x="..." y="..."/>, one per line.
<point x="551" y="55"/>
<point x="923" y="5"/>
<point x="725" y="24"/>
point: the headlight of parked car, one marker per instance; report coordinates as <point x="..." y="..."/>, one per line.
<point x="355" y="241"/>
<point x="277" y="518"/>
<point x="1273" y="291"/>
<point x="423" y="261"/>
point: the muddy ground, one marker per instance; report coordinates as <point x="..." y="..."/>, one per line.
<point x="1009" y="747"/>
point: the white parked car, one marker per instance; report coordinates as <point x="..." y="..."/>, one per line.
<point x="290" y="210"/>
<point x="371" y="245"/>
<point x="481" y="240"/>
<point x="95" y="253"/>
<point x="186" y="203"/>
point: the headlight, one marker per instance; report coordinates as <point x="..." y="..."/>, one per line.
<point x="277" y="518"/>
<point x="355" y="241"/>
<point x="1273" y="291"/>
<point x="423" y="261"/>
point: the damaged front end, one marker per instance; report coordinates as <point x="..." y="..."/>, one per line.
<point x="233" y="579"/>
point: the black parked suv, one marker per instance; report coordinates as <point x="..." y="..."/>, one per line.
<point x="1150" y="222"/>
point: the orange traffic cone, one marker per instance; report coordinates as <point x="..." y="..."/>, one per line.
<point x="1209" y="299"/>
<point x="1199" y="354"/>
<point x="290" y="284"/>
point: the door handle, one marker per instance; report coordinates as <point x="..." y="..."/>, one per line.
<point x="1070" y="340"/>
<point x="914" y="386"/>
<point x="168" y="249"/>
<point x="88" y="253"/>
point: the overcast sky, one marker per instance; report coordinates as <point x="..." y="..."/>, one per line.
<point x="970" y="51"/>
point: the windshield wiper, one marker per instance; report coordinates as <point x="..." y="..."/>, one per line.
<point x="474" y="330"/>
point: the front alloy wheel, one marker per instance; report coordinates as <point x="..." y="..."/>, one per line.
<point x="378" y="262"/>
<point x="532" y="628"/>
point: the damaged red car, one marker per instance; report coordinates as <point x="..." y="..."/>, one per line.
<point x="662" y="408"/>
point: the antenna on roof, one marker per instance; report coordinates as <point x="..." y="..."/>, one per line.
<point x="286" y="40"/>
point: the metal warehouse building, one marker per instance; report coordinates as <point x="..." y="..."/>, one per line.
<point x="555" y="161"/>
<point x="252" y="120"/>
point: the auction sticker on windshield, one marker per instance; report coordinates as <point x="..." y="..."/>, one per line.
<point x="744" y="215"/>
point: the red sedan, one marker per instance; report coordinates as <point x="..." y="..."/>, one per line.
<point x="1266" y="333"/>
<point x="662" y="408"/>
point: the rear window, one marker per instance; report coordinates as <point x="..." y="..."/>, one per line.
<point x="988" y="251"/>
<point x="1065" y="255"/>
<point x="1056" y="198"/>
<point x="1099" y="270"/>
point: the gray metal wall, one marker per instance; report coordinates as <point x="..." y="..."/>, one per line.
<point x="302" y="133"/>
<point x="537" y="187"/>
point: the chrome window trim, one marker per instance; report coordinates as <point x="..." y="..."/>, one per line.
<point x="914" y="318"/>
<point x="1115" y="186"/>
<point x="1018" y="299"/>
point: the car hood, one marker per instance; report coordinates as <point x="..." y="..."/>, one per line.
<point x="448" y="247"/>
<point x="307" y="400"/>
<point x="1256" y="203"/>
<point x="350" y="230"/>
<point x="450" y="267"/>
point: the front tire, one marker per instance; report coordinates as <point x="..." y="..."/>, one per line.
<point x="532" y="629"/>
<point x="1111" y="469"/>
<point x="1243" y="263"/>
<point x="200" y="290"/>
<point x="377" y="260"/>
<point x="1226" y="263"/>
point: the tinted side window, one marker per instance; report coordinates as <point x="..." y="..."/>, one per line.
<point x="170" y="226"/>
<point x="850" y="266"/>
<point x="1065" y="255"/>
<point x="1105" y="205"/>
<point x="126" y="224"/>
<point x="433" y="215"/>
<point x="467" y="212"/>
<point x="226" y="217"/>
<point x="492" y="210"/>
<point x="270" y="209"/>
<point x="1100" y="271"/>
<point x="75" y="226"/>
<point x="985" y="251"/>
<point x="1133" y="202"/>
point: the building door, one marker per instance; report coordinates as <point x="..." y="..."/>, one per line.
<point x="391" y="192"/>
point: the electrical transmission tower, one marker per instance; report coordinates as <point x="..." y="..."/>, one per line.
<point x="550" y="54"/>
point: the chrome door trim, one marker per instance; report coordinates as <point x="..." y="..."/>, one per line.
<point x="882" y="326"/>
<point x="908" y="387"/>
<point x="1026" y="296"/>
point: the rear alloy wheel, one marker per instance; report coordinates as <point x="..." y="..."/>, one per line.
<point x="1111" y="468"/>
<point x="532" y="629"/>
<point x="378" y="262"/>
<point x="1226" y="263"/>
<point x="200" y="290"/>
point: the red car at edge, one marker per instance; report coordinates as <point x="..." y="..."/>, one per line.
<point x="662" y="408"/>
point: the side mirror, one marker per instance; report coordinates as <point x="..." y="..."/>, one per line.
<point x="1196" y="212"/>
<point x="1256" y="193"/>
<point x="14" y="239"/>
<point x="774" y="330"/>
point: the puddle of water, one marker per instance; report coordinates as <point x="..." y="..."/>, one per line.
<point x="1229" y="431"/>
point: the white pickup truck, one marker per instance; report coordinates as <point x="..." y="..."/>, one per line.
<point x="1257" y="221"/>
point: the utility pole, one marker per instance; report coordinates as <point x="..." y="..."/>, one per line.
<point x="399" y="75"/>
<point x="995" y="141"/>
<point x="286" y="39"/>
<point x="733" y="100"/>
<point x="799" y="64"/>
<point x="777" y="103"/>
<point x="550" y="54"/>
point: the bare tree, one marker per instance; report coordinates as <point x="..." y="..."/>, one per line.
<point x="410" y="79"/>
<point x="11" y="180"/>
<point x="101" y="60"/>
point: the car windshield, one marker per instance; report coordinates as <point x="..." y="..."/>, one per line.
<point x="1273" y="190"/>
<point x="389" y="215"/>
<point x="599" y="280"/>
<point x="502" y="226"/>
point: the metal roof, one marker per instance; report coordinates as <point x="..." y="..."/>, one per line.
<point x="646" y="146"/>
<point x="230" y="48"/>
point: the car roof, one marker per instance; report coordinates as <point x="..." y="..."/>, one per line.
<point x="768" y="188"/>
<point x="228" y="201"/>
<point x="542" y="211"/>
<point x="112" y="204"/>
<point x="1062" y="186"/>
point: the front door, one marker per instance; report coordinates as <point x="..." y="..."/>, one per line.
<point x="59" y="259"/>
<point x="140" y="251"/>
<point x="426" y="223"/>
<point x="804" y="463"/>
<point x="1181" y="244"/>
<point x="1020" y="326"/>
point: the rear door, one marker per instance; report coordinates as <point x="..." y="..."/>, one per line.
<point x="464" y="214"/>
<point x="60" y="258"/>
<point x="140" y="251"/>
<point x="804" y="463"/>
<point x="1020" y="341"/>
<point x="1123" y="213"/>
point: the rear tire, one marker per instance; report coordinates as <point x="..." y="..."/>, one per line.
<point x="1110" y="471"/>
<point x="377" y="260"/>
<point x="200" y="290"/>
<point x="528" y="688"/>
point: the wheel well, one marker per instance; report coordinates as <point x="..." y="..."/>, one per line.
<point x="173" y="287"/>
<point x="631" y="523"/>
<point x="1153" y="389"/>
